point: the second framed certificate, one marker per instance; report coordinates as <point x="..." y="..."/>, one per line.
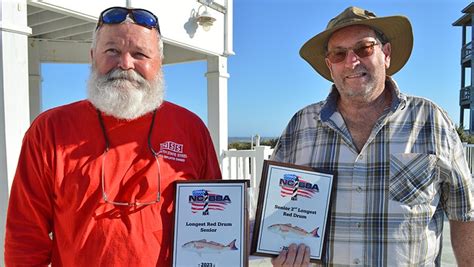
<point x="294" y="207"/>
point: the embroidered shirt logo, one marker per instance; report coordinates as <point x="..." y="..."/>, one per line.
<point x="173" y="151"/>
<point x="172" y="146"/>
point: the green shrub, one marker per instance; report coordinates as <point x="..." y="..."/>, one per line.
<point x="464" y="135"/>
<point x="240" y="145"/>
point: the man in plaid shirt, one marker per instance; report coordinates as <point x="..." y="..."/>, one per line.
<point x="399" y="162"/>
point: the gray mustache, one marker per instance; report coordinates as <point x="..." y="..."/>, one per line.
<point x="129" y="75"/>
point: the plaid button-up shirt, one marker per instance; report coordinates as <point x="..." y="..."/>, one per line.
<point x="390" y="198"/>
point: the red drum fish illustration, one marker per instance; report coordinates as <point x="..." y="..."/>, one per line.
<point x="204" y="246"/>
<point x="288" y="230"/>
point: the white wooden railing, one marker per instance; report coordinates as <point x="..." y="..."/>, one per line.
<point x="469" y="153"/>
<point x="245" y="164"/>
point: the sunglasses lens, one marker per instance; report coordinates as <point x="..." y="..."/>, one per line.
<point x="362" y="50"/>
<point x="145" y="18"/>
<point x="337" y="56"/>
<point x="365" y="50"/>
<point x="114" y="15"/>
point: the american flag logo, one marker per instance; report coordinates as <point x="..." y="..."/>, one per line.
<point x="205" y="200"/>
<point x="292" y="186"/>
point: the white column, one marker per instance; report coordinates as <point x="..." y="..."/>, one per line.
<point x="217" y="77"/>
<point x="14" y="111"/>
<point x="34" y="71"/>
<point x="229" y="29"/>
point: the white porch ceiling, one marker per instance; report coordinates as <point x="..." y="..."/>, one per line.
<point x="66" y="38"/>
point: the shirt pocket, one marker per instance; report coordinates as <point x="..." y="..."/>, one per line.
<point x="412" y="177"/>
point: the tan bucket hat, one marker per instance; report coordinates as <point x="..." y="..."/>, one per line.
<point x="397" y="30"/>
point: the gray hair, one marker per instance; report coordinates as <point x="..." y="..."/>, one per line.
<point x="129" y="20"/>
<point x="380" y="36"/>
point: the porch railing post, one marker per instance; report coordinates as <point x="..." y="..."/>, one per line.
<point x="262" y="153"/>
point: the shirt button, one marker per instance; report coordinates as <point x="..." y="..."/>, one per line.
<point x="356" y="261"/>
<point x="361" y="156"/>
<point x="359" y="189"/>
<point x="359" y="225"/>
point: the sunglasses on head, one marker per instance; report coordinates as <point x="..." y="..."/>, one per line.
<point x="116" y="15"/>
<point x="362" y="49"/>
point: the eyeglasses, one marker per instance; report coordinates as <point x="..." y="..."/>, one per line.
<point x="105" y="196"/>
<point x="363" y="49"/>
<point x="116" y="15"/>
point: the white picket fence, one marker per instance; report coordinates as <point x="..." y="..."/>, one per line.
<point x="245" y="164"/>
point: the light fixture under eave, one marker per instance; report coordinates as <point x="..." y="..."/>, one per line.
<point x="205" y="19"/>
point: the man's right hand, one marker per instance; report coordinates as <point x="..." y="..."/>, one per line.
<point x="295" y="256"/>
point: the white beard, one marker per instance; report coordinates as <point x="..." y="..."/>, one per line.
<point x="124" y="94"/>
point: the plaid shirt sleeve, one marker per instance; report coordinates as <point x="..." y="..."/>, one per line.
<point x="298" y="135"/>
<point x="283" y="149"/>
<point x="457" y="195"/>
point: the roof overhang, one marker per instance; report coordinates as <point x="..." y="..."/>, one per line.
<point x="65" y="37"/>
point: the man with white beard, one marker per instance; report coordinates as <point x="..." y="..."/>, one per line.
<point x="95" y="178"/>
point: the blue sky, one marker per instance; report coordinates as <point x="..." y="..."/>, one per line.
<point x="269" y="82"/>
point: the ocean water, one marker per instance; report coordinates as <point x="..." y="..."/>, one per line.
<point x="248" y="139"/>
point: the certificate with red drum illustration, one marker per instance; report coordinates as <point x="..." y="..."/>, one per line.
<point x="210" y="228"/>
<point x="294" y="207"/>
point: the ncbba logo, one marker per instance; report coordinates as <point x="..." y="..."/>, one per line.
<point x="292" y="185"/>
<point x="205" y="200"/>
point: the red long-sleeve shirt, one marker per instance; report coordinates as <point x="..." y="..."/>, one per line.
<point x="57" y="187"/>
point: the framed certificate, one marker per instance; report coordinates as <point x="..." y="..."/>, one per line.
<point x="210" y="228"/>
<point x="294" y="207"/>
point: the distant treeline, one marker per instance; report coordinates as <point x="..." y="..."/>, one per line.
<point x="464" y="135"/>
<point x="243" y="145"/>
